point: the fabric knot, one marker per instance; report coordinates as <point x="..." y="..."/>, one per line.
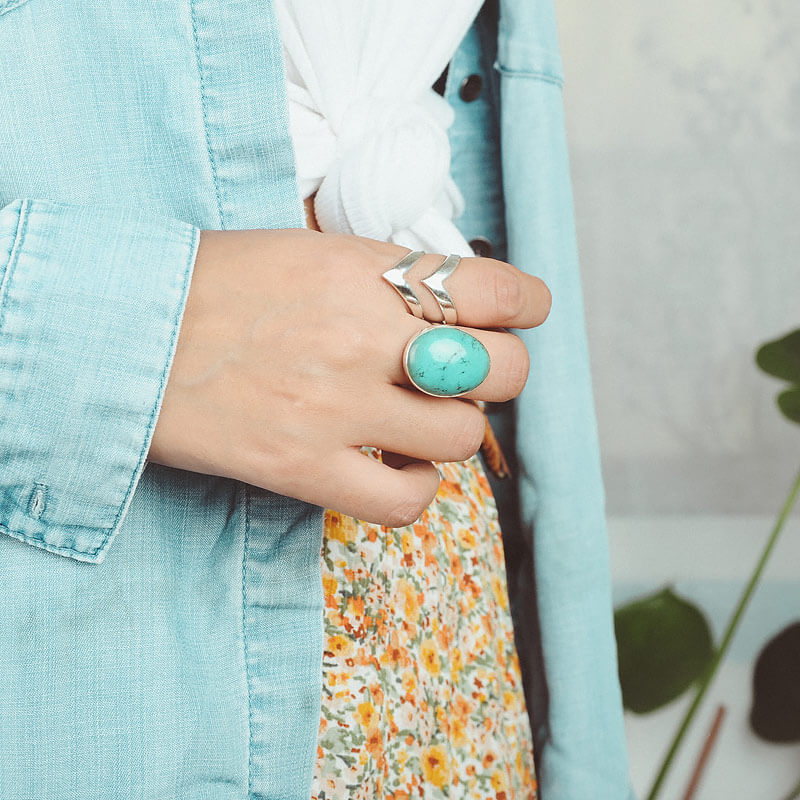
<point x="392" y="163"/>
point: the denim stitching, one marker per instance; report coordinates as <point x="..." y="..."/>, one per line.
<point x="13" y="258"/>
<point x="89" y="556"/>
<point x="10" y="5"/>
<point x="150" y="424"/>
<point x="201" y="74"/>
<point x="546" y="77"/>
<point x="245" y="555"/>
<point x="38" y="501"/>
<point x="161" y="386"/>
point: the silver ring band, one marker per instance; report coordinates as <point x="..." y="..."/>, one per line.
<point x="396" y="277"/>
<point x="435" y="283"/>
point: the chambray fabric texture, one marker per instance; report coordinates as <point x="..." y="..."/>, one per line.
<point x="161" y="630"/>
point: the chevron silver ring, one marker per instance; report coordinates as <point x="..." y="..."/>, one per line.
<point x="435" y="284"/>
<point x="396" y="278"/>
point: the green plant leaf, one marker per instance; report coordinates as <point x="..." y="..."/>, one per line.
<point x="789" y="404"/>
<point x="781" y="357"/>
<point x="664" y="645"/>
<point x="775" y="714"/>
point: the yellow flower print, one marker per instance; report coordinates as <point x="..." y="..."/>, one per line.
<point x="355" y="607"/>
<point x="499" y="781"/>
<point x="443" y="720"/>
<point x="410" y="602"/>
<point x="329" y="584"/>
<point x="510" y="700"/>
<point x="456" y="660"/>
<point x="467" y="539"/>
<point x="366" y="714"/>
<point x="429" y="655"/>
<point x="340" y="528"/>
<point x="421" y="681"/>
<point x="499" y="592"/>
<point x="409" y="682"/>
<point x="435" y="765"/>
<point x="458" y="731"/>
<point x="340" y="645"/>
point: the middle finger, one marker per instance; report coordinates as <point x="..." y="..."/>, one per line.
<point x="509" y="365"/>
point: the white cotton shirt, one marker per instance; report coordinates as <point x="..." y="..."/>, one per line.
<point x="370" y="135"/>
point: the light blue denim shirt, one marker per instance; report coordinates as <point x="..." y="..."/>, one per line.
<point x="160" y="630"/>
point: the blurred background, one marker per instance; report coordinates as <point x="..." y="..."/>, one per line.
<point x="684" y="126"/>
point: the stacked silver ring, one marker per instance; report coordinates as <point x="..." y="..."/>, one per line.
<point x="396" y="277"/>
<point x="441" y="360"/>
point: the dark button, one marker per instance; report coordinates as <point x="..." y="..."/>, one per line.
<point x="481" y="246"/>
<point x="470" y="88"/>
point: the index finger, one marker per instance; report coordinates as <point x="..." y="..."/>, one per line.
<point x="487" y="293"/>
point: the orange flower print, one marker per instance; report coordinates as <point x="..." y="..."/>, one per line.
<point x="429" y="541"/>
<point x="374" y="742"/>
<point x="395" y="654"/>
<point x="421" y="683"/>
<point x="450" y="490"/>
<point x="462" y="706"/>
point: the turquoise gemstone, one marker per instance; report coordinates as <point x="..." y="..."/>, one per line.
<point x="446" y="361"/>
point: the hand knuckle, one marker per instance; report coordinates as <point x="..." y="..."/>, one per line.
<point x="406" y="512"/>
<point x="346" y="346"/>
<point x="508" y="295"/>
<point x="468" y="437"/>
<point x="344" y="253"/>
<point x="517" y="368"/>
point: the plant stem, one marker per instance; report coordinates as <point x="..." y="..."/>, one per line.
<point x="726" y="640"/>
<point x="702" y="760"/>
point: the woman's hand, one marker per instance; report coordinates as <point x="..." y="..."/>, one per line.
<point x="289" y="361"/>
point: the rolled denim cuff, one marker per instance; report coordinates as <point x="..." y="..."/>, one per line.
<point x="91" y="300"/>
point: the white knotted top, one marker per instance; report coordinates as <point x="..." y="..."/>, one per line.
<point x="369" y="133"/>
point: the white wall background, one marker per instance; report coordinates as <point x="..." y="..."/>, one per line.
<point x="684" y="128"/>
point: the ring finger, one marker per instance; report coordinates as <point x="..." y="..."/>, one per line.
<point x="426" y="428"/>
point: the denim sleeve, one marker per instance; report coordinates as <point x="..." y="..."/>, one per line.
<point x="91" y="300"/>
<point x="580" y="741"/>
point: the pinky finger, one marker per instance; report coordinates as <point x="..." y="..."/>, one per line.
<point x="393" y="494"/>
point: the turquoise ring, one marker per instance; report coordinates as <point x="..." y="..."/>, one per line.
<point x="443" y="361"/>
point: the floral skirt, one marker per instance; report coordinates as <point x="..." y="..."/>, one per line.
<point x="422" y="695"/>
